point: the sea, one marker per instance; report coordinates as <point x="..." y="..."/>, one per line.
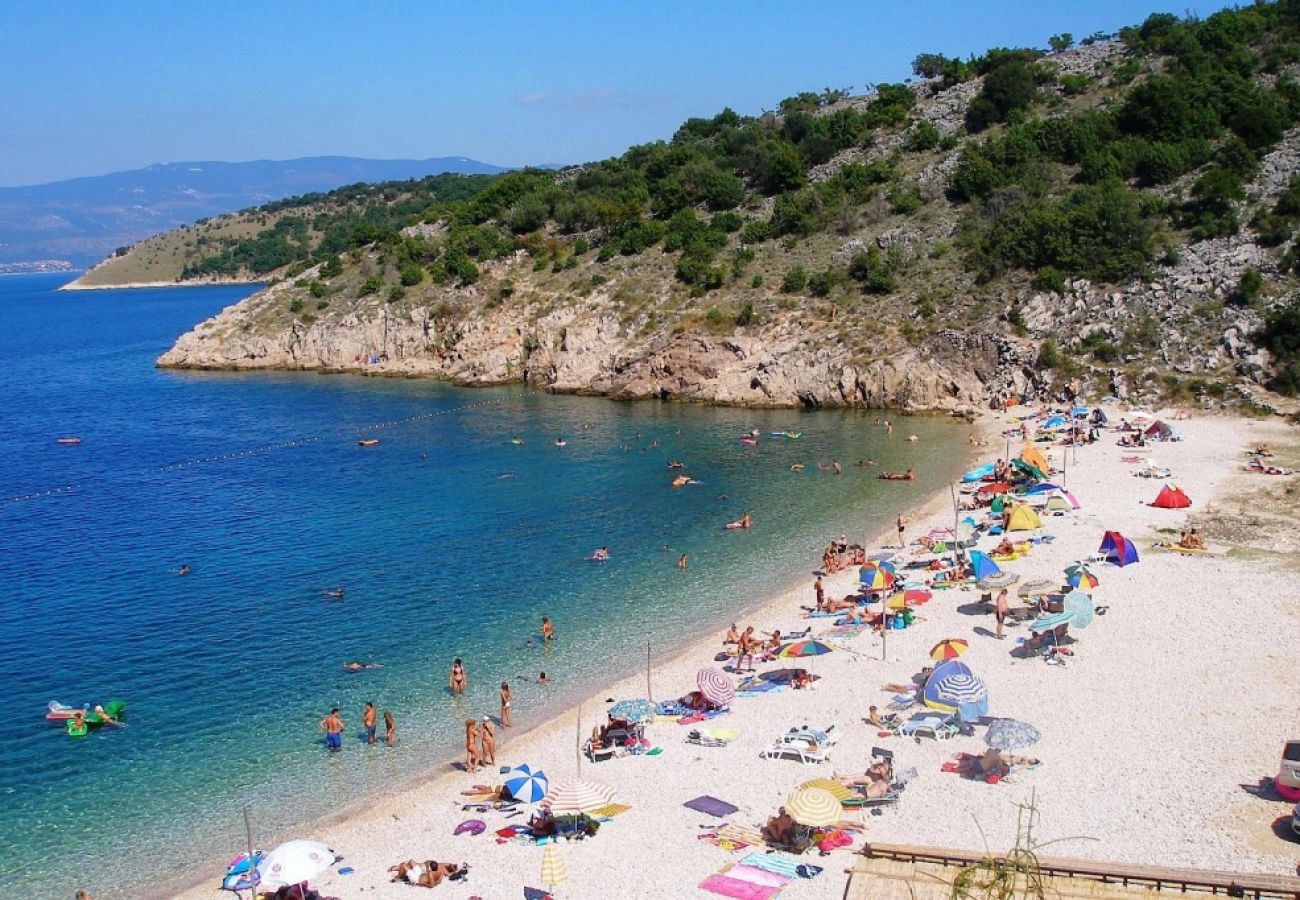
<point x="451" y="537"/>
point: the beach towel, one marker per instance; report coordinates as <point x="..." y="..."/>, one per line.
<point x="608" y="810"/>
<point x="731" y="837"/>
<point x="772" y="862"/>
<point x="536" y="894"/>
<point x="755" y="875"/>
<point x="711" y="806"/>
<point x="733" y="887"/>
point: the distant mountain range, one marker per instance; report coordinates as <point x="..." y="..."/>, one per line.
<point x="81" y="220"/>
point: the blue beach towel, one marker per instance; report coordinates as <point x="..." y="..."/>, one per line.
<point x="711" y="806"/>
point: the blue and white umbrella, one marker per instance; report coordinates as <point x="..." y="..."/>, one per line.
<point x="632" y="710"/>
<point x="526" y="784"/>
<point x="1010" y="734"/>
<point x="966" y="693"/>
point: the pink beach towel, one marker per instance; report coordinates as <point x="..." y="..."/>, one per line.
<point x="755" y="875"/>
<point x="734" y="887"/>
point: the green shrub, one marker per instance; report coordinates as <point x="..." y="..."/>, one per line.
<point x="1280" y="336"/>
<point x="331" y="268"/>
<point x="317" y="289"/>
<point x="395" y="293"/>
<point x="756" y="232"/>
<point x="295" y="305"/>
<point x="1049" y="278"/>
<point x="411" y="274"/>
<point x="322" y="304"/>
<point x="904" y="198"/>
<point x="923" y="136"/>
<point x="1247" y="290"/>
<point x="746" y="316"/>
<point x="1074" y="85"/>
<point x="756" y="281"/>
<point x="794" y="281"/>
<point x="580" y="247"/>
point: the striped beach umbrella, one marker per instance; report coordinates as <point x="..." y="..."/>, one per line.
<point x="808" y="647"/>
<point x="834" y="788"/>
<point x="1082" y="580"/>
<point x="1010" y="734"/>
<point x="949" y="648"/>
<point x="965" y="693"/>
<point x="577" y="797"/>
<point x="814" y="807"/>
<point x="876" y="578"/>
<point x="553" y="872"/>
<point x="526" y="783"/>
<point x="998" y="581"/>
<point x="715" y="686"/>
<point x="1036" y="587"/>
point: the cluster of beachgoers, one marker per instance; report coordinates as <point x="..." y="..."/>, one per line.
<point x="1055" y="631"/>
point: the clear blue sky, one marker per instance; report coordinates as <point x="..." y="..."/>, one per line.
<point x="97" y="87"/>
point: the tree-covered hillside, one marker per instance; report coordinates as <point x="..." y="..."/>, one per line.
<point x="920" y="206"/>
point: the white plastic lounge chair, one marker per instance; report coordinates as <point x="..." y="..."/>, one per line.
<point x="827" y="738"/>
<point x="804" y="752"/>
<point x="936" y="726"/>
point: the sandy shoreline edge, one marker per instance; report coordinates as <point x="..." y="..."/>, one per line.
<point x="442" y="777"/>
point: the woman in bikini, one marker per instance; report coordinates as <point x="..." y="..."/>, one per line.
<point x="505" y="705"/>
<point x="456" y="677"/>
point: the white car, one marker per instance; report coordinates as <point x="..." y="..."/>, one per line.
<point x="1287" y="782"/>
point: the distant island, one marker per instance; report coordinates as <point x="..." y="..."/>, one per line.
<point x="82" y="220"/>
<point x="36" y="265"/>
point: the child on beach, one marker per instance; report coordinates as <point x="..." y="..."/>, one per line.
<point x="505" y="705"/>
<point x="471" y="746"/>
<point x="487" y="743"/>
<point x="390" y="729"/>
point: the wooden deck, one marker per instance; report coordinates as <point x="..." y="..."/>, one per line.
<point x="920" y="872"/>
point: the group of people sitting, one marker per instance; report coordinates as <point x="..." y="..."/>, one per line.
<point x="1191" y="540"/>
<point x="840" y="554"/>
<point x="749" y="646"/>
<point x="429" y="873"/>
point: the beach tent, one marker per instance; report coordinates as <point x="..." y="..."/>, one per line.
<point x="1118" y="549"/>
<point x="1023" y="518"/>
<point x="953" y="688"/>
<point x="1159" y="431"/>
<point x="1057" y="503"/>
<point x="982" y="566"/>
<point x="1054" y="422"/>
<point x="1034" y="457"/>
<point x="1041" y="488"/>
<point x="1171" y="497"/>
<point x="978" y="474"/>
<point x="1026" y="469"/>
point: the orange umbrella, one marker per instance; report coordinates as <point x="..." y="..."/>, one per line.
<point x="948" y="648"/>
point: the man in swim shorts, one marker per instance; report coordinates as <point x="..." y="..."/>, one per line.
<point x="368" y="721"/>
<point x="332" y="725"/>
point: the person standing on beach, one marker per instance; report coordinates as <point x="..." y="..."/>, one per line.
<point x="471" y="746"/>
<point x="820" y="590"/>
<point x="487" y="743"/>
<point x="332" y="725"/>
<point x="368" y="721"/>
<point x="390" y="729"/>
<point x="899" y="523"/>
<point x="1000" y="610"/>
<point x="456" y="677"/>
<point x="505" y="705"/>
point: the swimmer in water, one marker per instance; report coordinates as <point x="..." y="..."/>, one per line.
<point x="336" y="593"/>
<point x="506" y="475"/>
<point x="183" y="570"/>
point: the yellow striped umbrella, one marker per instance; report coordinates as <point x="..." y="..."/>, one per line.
<point x="814" y="807"/>
<point x="948" y="648"/>
<point x="839" y="791"/>
<point x="552" y="867"/>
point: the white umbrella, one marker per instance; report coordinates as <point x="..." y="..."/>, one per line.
<point x="294" y="862"/>
<point x="577" y="797"/>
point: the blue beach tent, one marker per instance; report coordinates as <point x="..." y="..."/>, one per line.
<point x="982" y="566"/>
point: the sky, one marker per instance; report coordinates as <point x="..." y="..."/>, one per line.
<point x="89" y="88"/>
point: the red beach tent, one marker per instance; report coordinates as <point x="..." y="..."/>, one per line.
<point x="1171" y="497"/>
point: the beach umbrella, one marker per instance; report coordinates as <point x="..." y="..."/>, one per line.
<point x="876" y="578"/>
<point x="294" y="862"/>
<point x="995" y="487"/>
<point x="998" y="581"/>
<point x="814" y="807"/>
<point x="808" y="647"/>
<point x="1079" y="607"/>
<point x="1035" y="587"/>
<point x="1082" y="579"/>
<point x="917" y="596"/>
<point x="715" y="686"/>
<point x="632" y="710"/>
<point x="965" y="693"/>
<point x="552" y="867"/>
<point x="577" y="797"/>
<point x="949" y="648"/>
<point x="1010" y="734"/>
<point x="1079" y="566"/>
<point x="526" y="783"/>
<point x="834" y="788"/>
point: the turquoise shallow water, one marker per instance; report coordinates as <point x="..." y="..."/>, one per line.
<point x="257" y="483"/>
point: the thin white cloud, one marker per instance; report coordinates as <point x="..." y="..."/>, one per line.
<point x="605" y="97"/>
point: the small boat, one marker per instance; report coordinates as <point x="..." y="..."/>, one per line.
<point x="69" y="441"/>
<point x="367" y="442"/>
<point x="561" y="442"/>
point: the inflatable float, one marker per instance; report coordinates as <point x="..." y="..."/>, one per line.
<point x="241" y="874"/>
<point x="68" y="441"/>
<point x="367" y="442"/>
<point x="57" y="712"/>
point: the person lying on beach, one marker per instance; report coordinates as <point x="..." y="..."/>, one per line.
<point x="1006" y="548"/>
<point x="885" y="722"/>
<point x="875" y="782"/>
<point x="780" y="829"/>
<point x="993" y="762"/>
<point x="429" y="873"/>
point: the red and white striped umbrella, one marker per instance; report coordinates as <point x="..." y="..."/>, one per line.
<point x="715" y="686"/>
<point x="576" y="797"/>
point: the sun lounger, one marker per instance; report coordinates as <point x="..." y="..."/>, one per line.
<point x="827" y="738"/>
<point x="803" y="751"/>
<point x="941" y="728"/>
<point x="600" y="755"/>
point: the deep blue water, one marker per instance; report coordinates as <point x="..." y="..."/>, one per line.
<point x="257" y="483"/>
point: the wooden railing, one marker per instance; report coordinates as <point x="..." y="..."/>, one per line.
<point x="1160" y="878"/>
